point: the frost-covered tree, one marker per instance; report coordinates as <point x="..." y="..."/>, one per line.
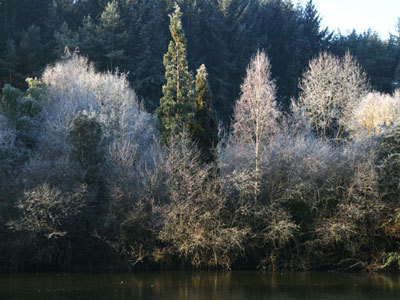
<point x="176" y="110"/>
<point x="374" y="113"/>
<point x="329" y="91"/>
<point x="74" y="86"/>
<point x="255" y="114"/>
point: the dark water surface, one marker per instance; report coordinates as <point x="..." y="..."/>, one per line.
<point x="200" y="285"/>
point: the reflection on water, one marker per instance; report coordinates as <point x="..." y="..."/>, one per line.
<point x="201" y="285"/>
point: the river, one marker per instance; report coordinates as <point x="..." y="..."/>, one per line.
<point x="200" y="286"/>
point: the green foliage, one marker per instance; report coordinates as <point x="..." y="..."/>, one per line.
<point x="133" y="35"/>
<point x="391" y="261"/>
<point x="205" y="128"/>
<point x="24" y="110"/>
<point x="30" y="50"/>
<point x="10" y="101"/>
<point x="86" y="140"/>
<point x="176" y="109"/>
<point x="87" y="151"/>
<point x="65" y="38"/>
<point x="110" y="22"/>
<point x="36" y="89"/>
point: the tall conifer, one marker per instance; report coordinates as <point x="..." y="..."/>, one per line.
<point x="205" y="131"/>
<point x="176" y="109"/>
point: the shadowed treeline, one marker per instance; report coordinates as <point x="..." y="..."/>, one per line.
<point x="222" y="34"/>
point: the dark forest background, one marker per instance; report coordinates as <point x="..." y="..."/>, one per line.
<point x="133" y="36"/>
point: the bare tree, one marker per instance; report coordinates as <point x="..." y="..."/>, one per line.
<point x="195" y="226"/>
<point x="330" y="89"/>
<point x="49" y="211"/>
<point x="256" y="114"/>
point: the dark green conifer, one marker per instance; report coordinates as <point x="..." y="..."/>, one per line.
<point x="86" y="140"/>
<point x="176" y="109"/>
<point x="111" y="33"/>
<point x="204" y="131"/>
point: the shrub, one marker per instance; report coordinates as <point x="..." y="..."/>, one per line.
<point x="25" y="113"/>
<point x="51" y="212"/>
<point x="196" y="225"/>
<point x="374" y="113"/>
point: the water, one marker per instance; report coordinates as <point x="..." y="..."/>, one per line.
<point x="200" y="285"/>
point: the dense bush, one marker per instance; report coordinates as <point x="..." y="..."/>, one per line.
<point x="374" y="113"/>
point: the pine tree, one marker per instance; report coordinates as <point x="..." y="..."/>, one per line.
<point x="396" y="81"/>
<point x="204" y="131"/>
<point x="65" y="37"/>
<point x="110" y="22"/>
<point x="176" y="109"/>
<point x="146" y="42"/>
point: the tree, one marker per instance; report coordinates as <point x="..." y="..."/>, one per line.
<point x="195" y="224"/>
<point x="110" y="21"/>
<point x="374" y="113"/>
<point x="256" y="115"/>
<point x="329" y="91"/>
<point x="65" y="37"/>
<point x="205" y="127"/>
<point x="9" y="64"/>
<point x="146" y="42"/>
<point x="388" y="162"/>
<point x="89" y="44"/>
<point x="23" y="110"/>
<point x="176" y="109"/>
<point x="86" y="140"/>
<point x="49" y="211"/>
<point x="104" y="41"/>
<point x="87" y="151"/>
<point x="397" y="42"/>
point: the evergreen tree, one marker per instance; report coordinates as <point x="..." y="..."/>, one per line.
<point x="110" y="22"/>
<point x="65" y="37"/>
<point x="30" y="50"/>
<point x="204" y="131"/>
<point x="23" y="111"/>
<point x="89" y="44"/>
<point x="233" y="55"/>
<point x="147" y="42"/>
<point x="176" y="108"/>
<point x="86" y="140"/>
<point x="9" y="63"/>
<point x="396" y="81"/>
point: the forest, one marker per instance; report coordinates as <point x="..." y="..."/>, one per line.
<point x="207" y="134"/>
